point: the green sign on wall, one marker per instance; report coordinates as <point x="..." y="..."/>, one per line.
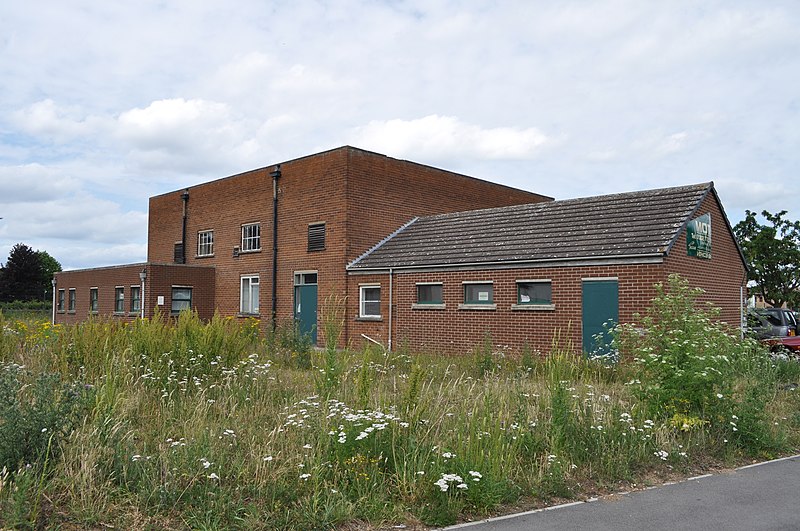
<point x="698" y="237"/>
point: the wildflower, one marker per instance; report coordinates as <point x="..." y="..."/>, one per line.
<point x="462" y="486"/>
<point x="213" y="476"/>
<point x="44" y="430"/>
<point x="661" y="454"/>
<point x="476" y="476"/>
<point x="305" y="477"/>
<point x="719" y="395"/>
<point x="268" y="458"/>
<point x="307" y="446"/>
<point x="206" y="463"/>
<point x="448" y="455"/>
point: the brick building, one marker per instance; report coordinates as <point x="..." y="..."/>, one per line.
<point x="542" y="273"/>
<point x="218" y="246"/>
<point x="424" y="256"/>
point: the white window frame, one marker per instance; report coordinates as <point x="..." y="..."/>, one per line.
<point x="251" y="237"/>
<point x="363" y="301"/>
<point x="62" y="297"/>
<point x="205" y="243"/>
<point x="72" y="300"/>
<point x="252" y="298"/>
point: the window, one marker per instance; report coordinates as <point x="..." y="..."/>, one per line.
<point x="136" y="299"/>
<point x="248" y="301"/>
<point x="478" y="293"/>
<point x="61" y="300"/>
<point x="429" y="294"/>
<point x="93" y="305"/>
<point x="119" y="300"/>
<point x="316" y="237"/>
<point x="370" y="302"/>
<point x="205" y="243"/>
<point x="71" y="306"/>
<point x="181" y="299"/>
<point x="534" y="292"/>
<point x="251" y="237"/>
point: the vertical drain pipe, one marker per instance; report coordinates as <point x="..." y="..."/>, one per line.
<point x="53" y="283"/>
<point x="390" y="310"/>
<point x="276" y="174"/>
<point x="185" y="197"/>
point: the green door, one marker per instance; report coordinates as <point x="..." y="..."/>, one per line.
<point x="600" y="313"/>
<point x="305" y="305"/>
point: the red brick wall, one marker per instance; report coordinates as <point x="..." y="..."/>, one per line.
<point x="106" y="279"/>
<point x="723" y="275"/>
<point x="383" y="194"/>
<point x="455" y="331"/>
<point x="160" y="279"/>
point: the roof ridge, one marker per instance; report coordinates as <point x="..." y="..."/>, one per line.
<point x="380" y="243"/>
<point x="564" y="202"/>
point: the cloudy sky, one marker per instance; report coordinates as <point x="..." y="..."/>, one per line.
<point x="104" y="104"/>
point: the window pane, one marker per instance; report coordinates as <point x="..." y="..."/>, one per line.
<point x="534" y="292"/>
<point x="478" y="293"/>
<point x="429" y="294"/>
<point x="135" y="299"/>
<point x="370" y="302"/>
<point x="181" y="299"/>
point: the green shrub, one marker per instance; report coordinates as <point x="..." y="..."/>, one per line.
<point x="36" y="413"/>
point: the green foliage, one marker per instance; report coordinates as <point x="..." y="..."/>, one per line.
<point x="773" y="256"/>
<point x="483" y="355"/>
<point x="35" y="412"/>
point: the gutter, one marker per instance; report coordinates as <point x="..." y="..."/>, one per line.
<point x="185" y="197"/>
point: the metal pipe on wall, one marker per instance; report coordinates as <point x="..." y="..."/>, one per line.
<point x="276" y="174"/>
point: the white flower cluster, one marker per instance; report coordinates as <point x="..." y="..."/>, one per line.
<point x="444" y="482"/>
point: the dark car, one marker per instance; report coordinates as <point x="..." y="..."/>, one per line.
<point x="771" y="322"/>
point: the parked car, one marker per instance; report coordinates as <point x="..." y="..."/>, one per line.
<point x="788" y="343"/>
<point x="772" y="322"/>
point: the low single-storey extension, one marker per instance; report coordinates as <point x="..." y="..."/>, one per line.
<point x="536" y="274"/>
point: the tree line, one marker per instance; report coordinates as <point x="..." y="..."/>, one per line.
<point x="27" y="275"/>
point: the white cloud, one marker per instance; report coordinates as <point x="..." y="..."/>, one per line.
<point x="446" y="136"/>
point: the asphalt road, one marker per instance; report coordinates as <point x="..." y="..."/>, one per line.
<point x="756" y="497"/>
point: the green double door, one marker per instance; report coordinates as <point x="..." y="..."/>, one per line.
<point x="600" y="312"/>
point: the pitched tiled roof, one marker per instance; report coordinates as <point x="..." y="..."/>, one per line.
<point x="610" y="226"/>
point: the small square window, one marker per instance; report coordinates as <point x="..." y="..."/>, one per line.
<point x="370" y="302"/>
<point x="251" y="237"/>
<point x="316" y="237"/>
<point x="93" y="300"/>
<point x="119" y="300"/>
<point x="61" y="297"/>
<point x="479" y="293"/>
<point x="429" y="294"/>
<point x="205" y="243"/>
<point x="72" y="297"/>
<point x="181" y="299"/>
<point x="534" y="292"/>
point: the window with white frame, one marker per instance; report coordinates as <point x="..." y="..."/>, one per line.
<point x="72" y="297"/>
<point x="136" y="299"/>
<point x="248" y="299"/>
<point x="61" y="296"/>
<point x="370" y="301"/>
<point x="181" y="299"/>
<point x="119" y="299"/>
<point x="205" y="243"/>
<point x="251" y="237"/>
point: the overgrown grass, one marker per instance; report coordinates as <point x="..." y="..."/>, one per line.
<point x="209" y="425"/>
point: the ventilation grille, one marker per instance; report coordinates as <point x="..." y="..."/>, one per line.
<point x="316" y="237"/>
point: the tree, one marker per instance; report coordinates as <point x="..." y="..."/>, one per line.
<point x="50" y="266"/>
<point x="772" y="252"/>
<point x="27" y="275"/>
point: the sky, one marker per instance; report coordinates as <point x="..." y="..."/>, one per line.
<point x="105" y="104"/>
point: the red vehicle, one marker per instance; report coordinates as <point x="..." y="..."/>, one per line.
<point x="790" y="343"/>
